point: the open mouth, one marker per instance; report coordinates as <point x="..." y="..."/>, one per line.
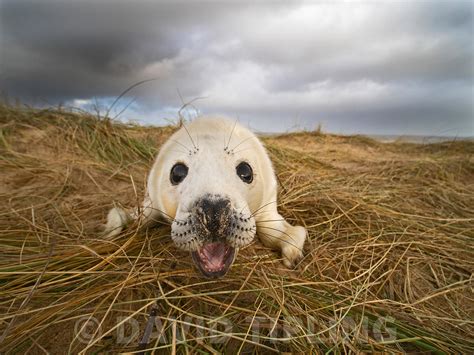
<point x="214" y="259"/>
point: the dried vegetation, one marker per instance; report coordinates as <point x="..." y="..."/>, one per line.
<point x="388" y="264"/>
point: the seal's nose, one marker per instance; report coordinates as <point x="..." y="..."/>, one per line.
<point x="214" y="215"/>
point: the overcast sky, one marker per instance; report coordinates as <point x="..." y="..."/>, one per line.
<point x="398" y="67"/>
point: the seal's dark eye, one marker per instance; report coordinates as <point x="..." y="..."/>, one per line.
<point x="244" y="172"/>
<point x="178" y="173"/>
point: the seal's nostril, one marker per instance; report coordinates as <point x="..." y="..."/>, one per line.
<point x="214" y="208"/>
<point x="213" y="214"/>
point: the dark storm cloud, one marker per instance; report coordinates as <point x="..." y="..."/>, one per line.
<point x="395" y="67"/>
<point x="85" y="48"/>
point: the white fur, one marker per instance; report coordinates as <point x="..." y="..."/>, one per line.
<point x="212" y="147"/>
<point x="116" y="220"/>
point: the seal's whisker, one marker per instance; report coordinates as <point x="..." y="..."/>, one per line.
<point x="259" y="213"/>
<point x="160" y="221"/>
<point x="180" y="151"/>
<point x="271" y="220"/>
<point x="245" y="207"/>
<point x="262" y="206"/>
<point x="243" y="141"/>
<point x="181" y="144"/>
<point x="240" y="151"/>
<point x="164" y="213"/>
<point x="281" y="239"/>
<point x="230" y="137"/>
<point x="279" y="230"/>
<point x="190" y="137"/>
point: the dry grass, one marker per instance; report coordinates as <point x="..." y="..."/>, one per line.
<point x="390" y="248"/>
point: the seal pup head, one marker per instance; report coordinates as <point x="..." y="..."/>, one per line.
<point x="207" y="179"/>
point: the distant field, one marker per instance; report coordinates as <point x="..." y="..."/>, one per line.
<point x="388" y="265"/>
<point x="419" y="139"/>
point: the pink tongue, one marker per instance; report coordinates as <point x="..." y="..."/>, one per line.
<point x="214" y="252"/>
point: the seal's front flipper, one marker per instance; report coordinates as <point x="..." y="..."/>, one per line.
<point x="292" y="248"/>
<point x="275" y="232"/>
<point x="118" y="218"/>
